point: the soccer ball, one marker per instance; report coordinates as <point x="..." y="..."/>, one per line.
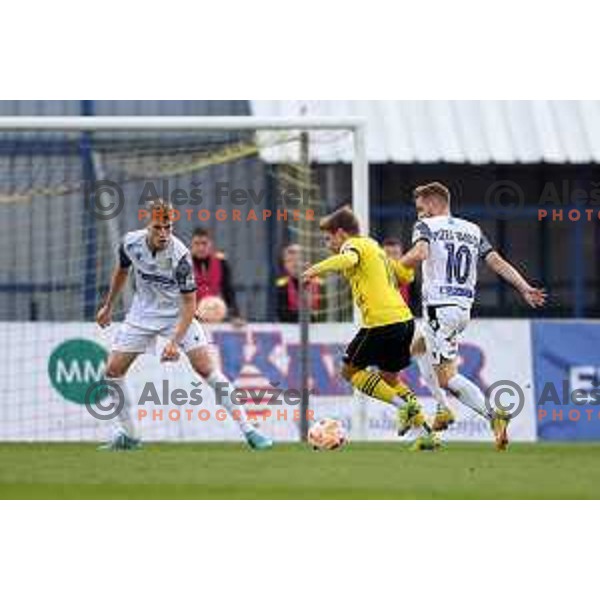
<point x="327" y="434"/>
<point x="211" y="309"/>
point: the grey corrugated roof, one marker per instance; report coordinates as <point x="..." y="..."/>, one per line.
<point x="454" y="131"/>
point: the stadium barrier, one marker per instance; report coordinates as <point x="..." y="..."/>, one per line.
<point x="51" y="366"/>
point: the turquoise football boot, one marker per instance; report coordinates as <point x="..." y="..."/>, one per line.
<point x="121" y="441"/>
<point x="257" y="440"/>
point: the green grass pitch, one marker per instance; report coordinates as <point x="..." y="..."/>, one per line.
<point x="361" y="470"/>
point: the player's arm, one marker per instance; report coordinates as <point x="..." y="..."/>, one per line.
<point x="339" y="262"/>
<point x="403" y="273"/>
<point x="184" y="275"/>
<point x="535" y="297"/>
<point x="420" y="248"/>
<point x="117" y="283"/>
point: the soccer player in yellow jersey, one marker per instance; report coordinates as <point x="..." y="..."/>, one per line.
<point x="388" y="326"/>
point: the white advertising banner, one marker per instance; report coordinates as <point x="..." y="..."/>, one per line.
<point x="49" y="368"/>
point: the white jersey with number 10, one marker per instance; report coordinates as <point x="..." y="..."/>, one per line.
<point x="450" y="271"/>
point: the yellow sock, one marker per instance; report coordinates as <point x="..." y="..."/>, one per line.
<point x="401" y="388"/>
<point x="372" y="384"/>
<point x="406" y="393"/>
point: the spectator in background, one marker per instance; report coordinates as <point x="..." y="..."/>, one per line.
<point x="394" y="249"/>
<point x="288" y="291"/>
<point x="213" y="273"/>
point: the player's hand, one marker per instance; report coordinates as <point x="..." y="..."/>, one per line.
<point x="535" y="297"/>
<point x="104" y="316"/>
<point x="170" y="352"/>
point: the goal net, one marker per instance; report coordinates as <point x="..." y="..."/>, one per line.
<point x="71" y="188"/>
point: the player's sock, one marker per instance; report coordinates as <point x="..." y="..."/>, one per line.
<point x="124" y="418"/>
<point x="236" y="412"/>
<point x="430" y="377"/>
<point x="468" y="393"/>
<point x="402" y="390"/>
<point x="372" y="384"/>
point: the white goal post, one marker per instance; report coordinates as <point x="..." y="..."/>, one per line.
<point x="18" y="197"/>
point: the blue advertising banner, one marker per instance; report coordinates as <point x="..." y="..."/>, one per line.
<point x="566" y="362"/>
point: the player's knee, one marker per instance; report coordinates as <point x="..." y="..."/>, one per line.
<point x="443" y="379"/>
<point x="418" y="346"/>
<point x="389" y="377"/>
<point x="201" y="361"/>
<point x="114" y="371"/>
<point x="445" y="372"/>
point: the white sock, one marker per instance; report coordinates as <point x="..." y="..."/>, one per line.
<point x="429" y="375"/>
<point x="123" y="419"/>
<point x="468" y="393"/>
<point x="241" y="418"/>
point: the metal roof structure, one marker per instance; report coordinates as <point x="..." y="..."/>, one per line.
<point x="476" y="132"/>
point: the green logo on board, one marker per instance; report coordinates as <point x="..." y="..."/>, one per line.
<point x="74" y="366"/>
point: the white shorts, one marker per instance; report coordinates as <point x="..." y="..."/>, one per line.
<point x="443" y="326"/>
<point x="130" y="338"/>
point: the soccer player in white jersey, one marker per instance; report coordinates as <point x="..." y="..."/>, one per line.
<point x="449" y="249"/>
<point x="164" y="304"/>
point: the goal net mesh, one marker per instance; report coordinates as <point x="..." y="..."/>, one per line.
<point x="66" y="200"/>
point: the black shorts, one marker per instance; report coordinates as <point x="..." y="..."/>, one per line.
<point x="387" y="347"/>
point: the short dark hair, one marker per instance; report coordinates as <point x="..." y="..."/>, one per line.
<point x="343" y="218"/>
<point x="435" y="188"/>
<point x="201" y="232"/>
<point x="391" y="241"/>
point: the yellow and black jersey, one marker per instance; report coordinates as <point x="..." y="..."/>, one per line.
<point x="374" y="281"/>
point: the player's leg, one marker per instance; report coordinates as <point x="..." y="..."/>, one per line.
<point x="394" y="356"/>
<point x="463" y="388"/>
<point x="469" y="394"/>
<point x="452" y="321"/>
<point x="385" y="386"/>
<point x="196" y="346"/>
<point x="117" y="365"/>
<point x="396" y="381"/>
<point x="129" y="342"/>
<point x="363" y="352"/>
<point x="371" y="383"/>
<point x="445" y="324"/>
<point x="388" y="349"/>
<point x="443" y="416"/>
<point x="427" y="351"/>
<point x="410" y="414"/>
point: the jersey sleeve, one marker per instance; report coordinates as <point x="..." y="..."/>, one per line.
<point x="484" y="246"/>
<point x="404" y="275"/>
<point x="337" y="262"/>
<point x="184" y="275"/>
<point x="123" y="257"/>
<point x="349" y="248"/>
<point x="421" y="231"/>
